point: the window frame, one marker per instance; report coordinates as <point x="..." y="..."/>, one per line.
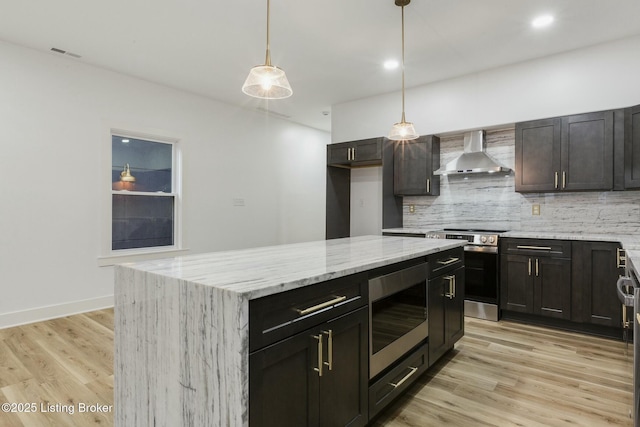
<point x="110" y="256"/>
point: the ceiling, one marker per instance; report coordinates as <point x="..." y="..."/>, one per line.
<point x="331" y="50"/>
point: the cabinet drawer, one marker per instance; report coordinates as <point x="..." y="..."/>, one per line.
<point x="445" y="261"/>
<point x="536" y="247"/>
<point x="391" y="385"/>
<point x="279" y="316"/>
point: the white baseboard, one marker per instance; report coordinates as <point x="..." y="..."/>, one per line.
<point x="23" y="317"/>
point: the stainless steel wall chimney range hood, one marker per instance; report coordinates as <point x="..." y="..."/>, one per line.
<point x="474" y="159"/>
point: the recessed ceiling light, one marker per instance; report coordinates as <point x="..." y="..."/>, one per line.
<point x="125" y="141"/>
<point x="542" y="21"/>
<point x="391" y="64"/>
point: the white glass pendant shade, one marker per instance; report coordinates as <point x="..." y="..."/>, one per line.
<point x="267" y="82"/>
<point x="403" y="131"/>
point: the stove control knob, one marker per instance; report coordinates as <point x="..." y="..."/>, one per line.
<point x="483" y="239"/>
<point x="492" y="239"/>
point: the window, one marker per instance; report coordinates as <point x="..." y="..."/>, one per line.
<point x="144" y="193"/>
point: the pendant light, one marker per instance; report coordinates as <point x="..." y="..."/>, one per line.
<point x="267" y="81"/>
<point x="403" y="130"/>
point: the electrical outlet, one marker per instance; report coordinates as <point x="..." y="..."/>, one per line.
<point x="412" y="209"/>
<point x="535" y="209"/>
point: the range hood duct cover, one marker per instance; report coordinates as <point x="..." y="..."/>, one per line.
<point x="474" y="159"/>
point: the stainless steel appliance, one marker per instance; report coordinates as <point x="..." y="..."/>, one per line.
<point x="629" y="293"/>
<point x="482" y="281"/>
<point x="398" y="318"/>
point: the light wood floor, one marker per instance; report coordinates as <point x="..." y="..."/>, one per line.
<point x="499" y="374"/>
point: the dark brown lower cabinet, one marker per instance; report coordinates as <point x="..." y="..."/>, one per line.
<point x="536" y="284"/>
<point x="446" y="312"/>
<point x="318" y="377"/>
<point x="596" y="268"/>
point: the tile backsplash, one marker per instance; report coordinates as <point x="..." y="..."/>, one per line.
<point x="490" y="201"/>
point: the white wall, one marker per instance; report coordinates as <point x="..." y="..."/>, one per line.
<point x="56" y="114"/>
<point x="591" y="79"/>
<point x="366" y="201"/>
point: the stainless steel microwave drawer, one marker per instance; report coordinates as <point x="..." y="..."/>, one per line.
<point x="279" y="316"/>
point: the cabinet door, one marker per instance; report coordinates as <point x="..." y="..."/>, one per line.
<point x="414" y="164"/>
<point x="339" y="154"/>
<point x="344" y="383"/>
<point x="367" y="150"/>
<point x="587" y="151"/>
<point x="552" y="289"/>
<point x="437" y="319"/>
<point x="594" y="275"/>
<point x="516" y="283"/>
<point x="283" y="386"/>
<point x="632" y="147"/>
<point x="537" y="162"/>
<point x="446" y="312"/>
<point x="454" y="311"/>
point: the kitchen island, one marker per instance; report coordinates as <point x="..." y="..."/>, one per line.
<point x="182" y="324"/>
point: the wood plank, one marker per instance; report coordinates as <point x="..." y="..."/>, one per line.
<point x="499" y="374"/>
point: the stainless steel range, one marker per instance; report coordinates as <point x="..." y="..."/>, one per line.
<point x="482" y="279"/>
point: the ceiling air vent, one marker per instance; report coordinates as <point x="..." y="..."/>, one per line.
<point x="64" y="52"/>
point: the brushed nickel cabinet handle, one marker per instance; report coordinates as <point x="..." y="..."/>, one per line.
<point x="453" y="288"/>
<point x="638" y="317"/>
<point x="353" y="156"/>
<point x="535" y="248"/>
<point x="537" y="268"/>
<point x="449" y="261"/>
<point x="414" y="370"/>
<point x="452" y="292"/>
<point x="564" y="180"/>
<point x="556" y="180"/>
<point x="329" y="362"/>
<point x="335" y="300"/>
<point x="529" y="266"/>
<point x="319" y="368"/>
<point x="428" y="185"/>
<point x="621" y="258"/>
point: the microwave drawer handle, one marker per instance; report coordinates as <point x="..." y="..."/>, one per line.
<point x="406" y="377"/>
<point x="320" y="306"/>
<point x="449" y="261"/>
<point x="535" y="248"/>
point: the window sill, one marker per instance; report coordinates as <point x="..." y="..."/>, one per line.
<point x="109" y="260"/>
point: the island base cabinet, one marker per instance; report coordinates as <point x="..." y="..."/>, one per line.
<point x="446" y="312"/>
<point x="318" y="377"/>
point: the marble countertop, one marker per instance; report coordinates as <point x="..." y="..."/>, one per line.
<point x="258" y="272"/>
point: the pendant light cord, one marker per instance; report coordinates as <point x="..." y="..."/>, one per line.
<point x="268" y="59"/>
<point x="403" y="120"/>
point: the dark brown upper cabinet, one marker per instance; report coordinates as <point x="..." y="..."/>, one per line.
<point x="413" y="165"/>
<point x="572" y="153"/>
<point x="537" y="155"/>
<point x="366" y="152"/>
<point x="632" y="148"/>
